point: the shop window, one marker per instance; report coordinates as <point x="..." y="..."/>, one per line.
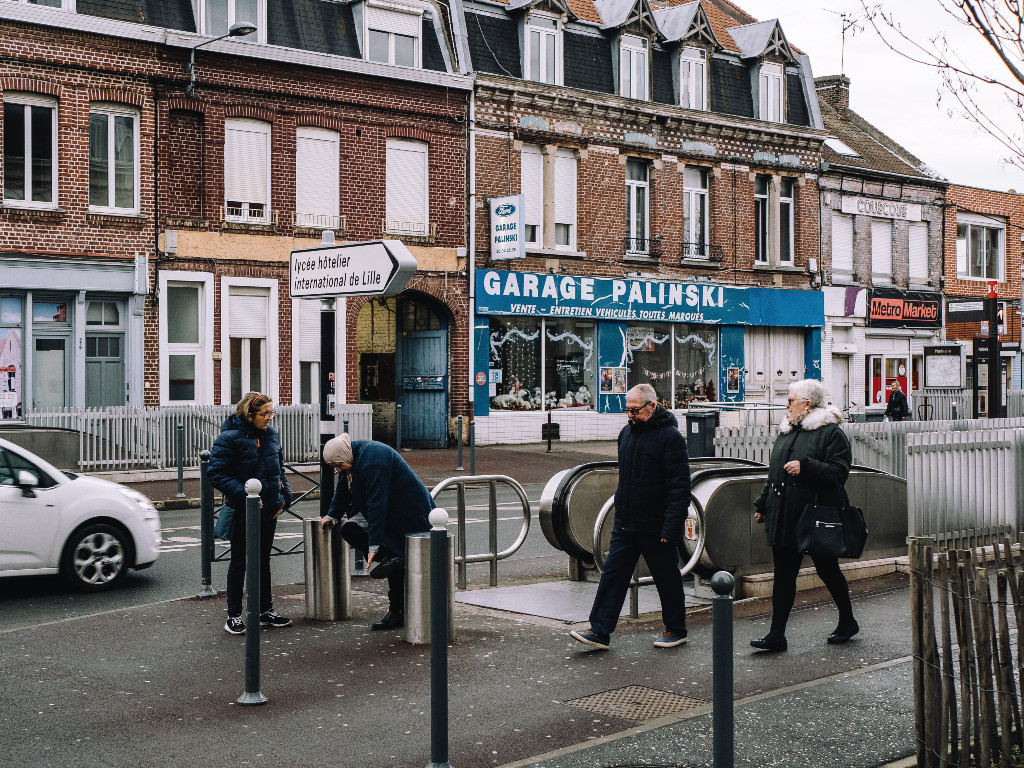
<point x="882" y="371"/>
<point x="570" y="371"/>
<point x="980" y="247"/>
<point x="633" y="67"/>
<point x="649" y="358"/>
<point x="543" y="55"/>
<point x="696" y="364"/>
<point x="693" y="78"/>
<point x="637" y="207"/>
<point x="30" y="150"/>
<point x="514" y="363"/>
<point x="247" y="171"/>
<point x="11" y="357"/>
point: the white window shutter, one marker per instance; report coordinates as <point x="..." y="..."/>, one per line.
<point x="316" y="176"/>
<point x="881" y="248"/>
<point x="410" y="24"/>
<point x="248" y="315"/>
<point x="919" y="250"/>
<point x="533" y="185"/>
<point x="842" y="243"/>
<point x="565" y="187"/>
<point x="306" y="329"/>
<point x="406" y="186"/>
<point x="247" y="161"/>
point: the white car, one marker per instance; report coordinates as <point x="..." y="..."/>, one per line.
<point x="91" y="531"/>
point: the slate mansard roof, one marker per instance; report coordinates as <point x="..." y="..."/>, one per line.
<point x="735" y="42"/>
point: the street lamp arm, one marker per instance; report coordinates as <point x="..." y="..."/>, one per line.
<point x="237" y="30"/>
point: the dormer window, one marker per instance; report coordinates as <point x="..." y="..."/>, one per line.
<point x="393" y="34"/>
<point x="544" y="49"/>
<point x="633" y="67"/>
<point x="770" y="93"/>
<point x="218" y="16"/>
<point x="693" y="78"/>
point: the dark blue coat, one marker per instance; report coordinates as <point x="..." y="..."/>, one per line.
<point x="241" y="452"/>
<point x="653" y="495"/>
<point x="388" y="493"/>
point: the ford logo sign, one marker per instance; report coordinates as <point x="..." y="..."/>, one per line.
<point x="505" y="209"/>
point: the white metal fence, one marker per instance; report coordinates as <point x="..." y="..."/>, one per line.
<point x="965" y="488"/>
<point x="146" y="438"/>
<point x="939" y="404"/>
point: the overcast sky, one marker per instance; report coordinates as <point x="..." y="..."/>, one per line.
<point x="897" y="96"/>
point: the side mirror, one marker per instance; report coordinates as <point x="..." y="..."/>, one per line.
<point x="27" y="482"/>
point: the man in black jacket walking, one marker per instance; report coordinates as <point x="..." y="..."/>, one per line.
<point x="897" y="409"/>
<point x="651" y="503"/>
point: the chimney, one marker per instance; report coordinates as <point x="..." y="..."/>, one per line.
<point x="834" y="90"/>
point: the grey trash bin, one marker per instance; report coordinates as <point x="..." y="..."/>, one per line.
<point x="417" y="588"/>
<point x="700" y="433"/>
<point x="328" y="583"/>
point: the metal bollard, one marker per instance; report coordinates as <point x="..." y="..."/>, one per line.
<point x="441" y="561"/>
<point x="398" y="427"/>
<point x="417" y="587"/>
<point x="722" y="684"/>
<point x="252" y="695"/>
<point x="344" y="426"/>
<point x="181" y="462"/>
<point x="458" y="440"/>
<point x="328" y="583"/>
<point x="472" y="447"/>
<point x="205" y="528"/>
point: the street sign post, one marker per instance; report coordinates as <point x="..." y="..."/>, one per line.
<point x="374" y="268"/>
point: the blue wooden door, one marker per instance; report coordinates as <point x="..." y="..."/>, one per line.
<point x="423" y="374"/>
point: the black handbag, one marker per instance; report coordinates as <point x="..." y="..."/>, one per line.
<point x="829" y="531"/>
<point x="225" y="525"/>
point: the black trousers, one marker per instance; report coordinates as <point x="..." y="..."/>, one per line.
<point x="236" y="566"/>
<point x="787" y="567"/>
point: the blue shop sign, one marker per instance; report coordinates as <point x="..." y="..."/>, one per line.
<point x="601" y="298"/>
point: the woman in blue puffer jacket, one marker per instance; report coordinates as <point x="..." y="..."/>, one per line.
<point x="248" y="447"/>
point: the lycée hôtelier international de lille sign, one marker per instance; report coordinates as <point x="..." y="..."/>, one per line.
<point x="374" y="268"/>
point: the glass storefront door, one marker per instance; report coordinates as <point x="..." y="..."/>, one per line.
<point x="49" y="373"/>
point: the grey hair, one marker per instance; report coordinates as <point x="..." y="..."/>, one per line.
<point x="811" y="390"/>
<point x="646" y="391"/>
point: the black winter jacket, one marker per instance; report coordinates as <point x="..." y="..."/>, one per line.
<point x="241" y="452"/>
<point x="824" y="454"/>
<point x="897" y="408"/>
<point x="653" y="495"/>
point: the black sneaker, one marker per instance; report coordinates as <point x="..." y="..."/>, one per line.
<point x="272" y="618"/>
<point x="234" y="625"/>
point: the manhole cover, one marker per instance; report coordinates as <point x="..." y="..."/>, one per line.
<point x="636" y="702"/>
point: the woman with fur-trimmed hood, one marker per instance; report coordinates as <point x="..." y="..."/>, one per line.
<point x="809" y="464"/>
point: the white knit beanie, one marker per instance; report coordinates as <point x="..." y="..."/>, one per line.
<point x="338" y="450"/>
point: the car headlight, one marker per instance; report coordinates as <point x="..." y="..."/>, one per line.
<point x="138" y="498"/>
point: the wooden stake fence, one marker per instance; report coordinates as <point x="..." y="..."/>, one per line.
<point x="979" y="724"/>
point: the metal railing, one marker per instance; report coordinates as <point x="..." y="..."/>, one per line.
<point x="319" y="221"/>
<point x="130" y="437"/>
<point x="642" y="246"/>
<point x="698" y="251"/>
<point x="492" y="556"/>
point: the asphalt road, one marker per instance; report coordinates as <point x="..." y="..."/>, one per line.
<point x="32" y="601"/>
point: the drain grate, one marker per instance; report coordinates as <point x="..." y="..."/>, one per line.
<point x="636" y="702"/>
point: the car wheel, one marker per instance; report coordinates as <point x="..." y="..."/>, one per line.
<point x="96" y="557"/>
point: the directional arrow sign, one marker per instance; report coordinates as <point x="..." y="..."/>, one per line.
<point x="373" y="268"/>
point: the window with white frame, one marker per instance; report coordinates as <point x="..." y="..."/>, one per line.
<point x="305" y="351"/>
<point x="248" y="327"/>
<point x="918" y="251"/>
<point x="532" y="178"/>
<point x="216" y="17"/>
<point x="695" y="212"/>
<point x="881" y="251"/>
<point x="761" y="219"/>
<point x="565" y="199"/>
<point x="317" y="173"/>
<point x="543" y="56"/>
<point x="113" y="159"/>
<point x="693" y="78"/>
<point x="786" y="221"/>
<point x="407" y="191"/>
<point x="30" y="150"/>
<point x="770" y="93"/>
<point x="842" y="246"/>
<point x="637" y="206"/>
<point x="980" y="247"/>
<point x="247" y="171"/>
<point x="393" y="35"/>
<point x="183" y="322"/>
<point x="633" y="67"/>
